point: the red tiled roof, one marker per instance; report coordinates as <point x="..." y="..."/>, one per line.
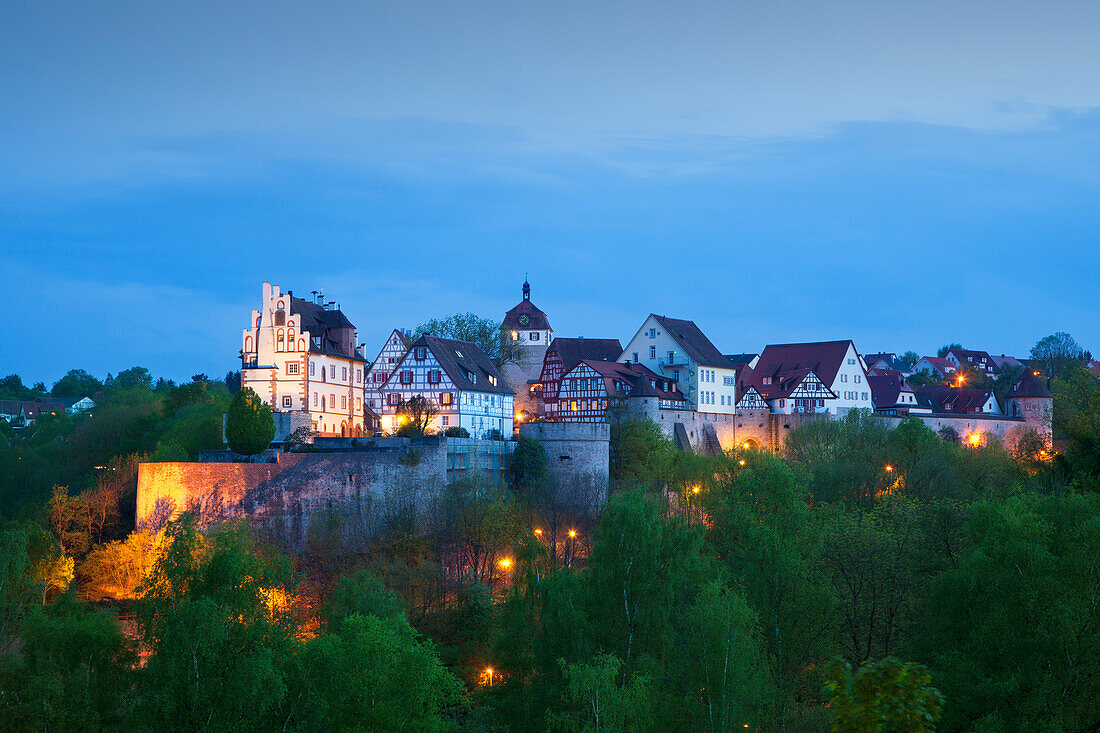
<point x="824" y="357"/>
<point x="575" y="350"/>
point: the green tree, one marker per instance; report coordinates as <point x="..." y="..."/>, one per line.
<point x="485" y="333"/>
<point x="76" y="383"/>
<point x="595" y="700"/>
<point x="72" y="672"/>
<point x="887" y="696"/>
<point x="250" y="427"/>
<point x="1056" y="353"/>
<point x="529" y="463"/>
<point x="134" y="377"/>
<point x="372" y="674"/>
<point x="416" y="415"/>
<point x="946" y="348"/>
<point x="640" y="452"/>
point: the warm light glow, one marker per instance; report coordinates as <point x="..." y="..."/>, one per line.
<point x="538" y="532"/>
<point x="741" y="462"/>
<point x="1035" y="373"/>
<point x="489" y="673"/>
<point x="975" y="438"/>
<point x="505" y="562"/>
<point x="572" y="533"/>
<point x="519" y="415"/>
<point x="695" y="489"/>
<point x="745" y="445"/>
<point x="889" y="468"/>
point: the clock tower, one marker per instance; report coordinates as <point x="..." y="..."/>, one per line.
<point x="528" y="330"/>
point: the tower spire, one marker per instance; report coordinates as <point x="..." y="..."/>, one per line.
<point x="526" y="288"/>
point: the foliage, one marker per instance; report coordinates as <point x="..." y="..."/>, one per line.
<point x="456" y="431"/>
<point x="485" y="333"/>
<point x="886" y="696"/>
<point x="529" y="462"/>
<point x="595" y="701"/>
<point x="1055" y="354"/>
<point x="415" y="415"/>
<point x="249" y="427"/>
<point x="76" y="383"/>
<point x="640" y="451"/>
<point x="948" y="347"/>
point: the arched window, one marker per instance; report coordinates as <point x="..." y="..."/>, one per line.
<point x="248" y="344"/>
<point x="301" y="344"/>
<point x="280" y="340"/>
<point x="290" y="339"/>
<point x="343" y="430"/>
<point x="257" y="321"/>
<point x="280" y="317"/>
<point x="322" y="403"/>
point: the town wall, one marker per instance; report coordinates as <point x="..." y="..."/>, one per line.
<point x="1006" y="429"/>
<point x="578" y="453"/>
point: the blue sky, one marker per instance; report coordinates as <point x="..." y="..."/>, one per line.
<point x="901" y="174"/>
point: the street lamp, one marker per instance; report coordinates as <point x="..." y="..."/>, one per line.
<point x="489" y="672"/>
<point x="889" y="468"/>
<point x="572" y="533"/>
<point x="505" y="563"/>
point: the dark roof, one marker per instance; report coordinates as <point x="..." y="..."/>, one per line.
<point x="695" y="344"/>
<point x="526" y="307"/>
<point x="639" y="378"/>
<point x="461" y="359"/>
<point x="943" y="399"/>
<point x="890" y="358"/>
<point x="325" y="329"/>
<point x="937" y="361"/>
<point x="575" y="350"/>
<point x="1030" y="385"/>
<point x="975" y="358"/>
<point x="782" y="384"/>
<point x="740" y="360"/>
<point x="886" y="388"/>
<point x="824" y="357"/>
<point x="11" y="407"/>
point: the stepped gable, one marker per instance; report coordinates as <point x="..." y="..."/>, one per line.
<point x="462" y="359"/>
<point x="537" y="319"/>
<point x="693" y="341"/>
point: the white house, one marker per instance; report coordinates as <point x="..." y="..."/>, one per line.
<point x="459" y="379"/>
<point x="935" y="365"/>
<point x="301" y="356"/>
<point x="397" y="345"/>
<point x="822" y="377"/>
<point x="678" y="350"/>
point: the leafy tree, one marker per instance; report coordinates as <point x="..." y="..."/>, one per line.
<point x="909" y="358"/>
<point x="250" y="427"/>
<point x="887" y="696"/>
<point x="12" y="388"/>
<point x="372" y="674"/>
<point x="640" y="451"/>
<point x="485" y="333"/>
<point x="131" y="378"/>
<point x="529" y="463"/>
<point x="363" y="593"/>
<point x="456" y="431"/>
<point x="948" y="347"/>
<point x="596" y="701"/>
<point x="416" y="415"/>
<point x="1013" y="636"/>
<point x="1056" y="353"/>
<point x="76" y="383"/>
<point x="72" y="673"/>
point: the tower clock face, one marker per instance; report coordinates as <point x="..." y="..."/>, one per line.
<point x="525" y="320"/>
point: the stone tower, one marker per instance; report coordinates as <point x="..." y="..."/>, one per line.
<point x="1030" y="399"/>
<point x="528" y="329"/>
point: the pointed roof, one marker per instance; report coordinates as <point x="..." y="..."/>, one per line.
<point x="325" y="325"/>
<point x="575" y="350"/>
<point x="824" y="357"/>
<point x="1030" y="384"/>
<point x="465" y="363"/>
<point x="640" y="379"/>
<point x="886" y="388"/>
<point x="536" y="318"/>
<point x="692" y="340"/>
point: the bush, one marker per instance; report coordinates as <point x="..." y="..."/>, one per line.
<point x="456" y="432"/>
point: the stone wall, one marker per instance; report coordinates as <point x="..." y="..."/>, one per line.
<point x="289" y="495"/>
<point x="1006" y="429"/>
<point x="577" y="453"/>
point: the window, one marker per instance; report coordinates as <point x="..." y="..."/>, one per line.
<point x="515" y="336"/>
<point x="311" y="369"/>
<point x="332" y="401"/>
<point x="343" y="374"/>
<point x="446" y="420"/>
<point x="393" y="399"/>
<point x="314" y="399"/>
<point x="856" y="379"/>
<point x="332" y="371"/>
<point x="653" y="333"/>
<point x="358" y="376"/>
<point x="727" y="381"/>
<point x="420" y="353"/>
<point x="434" y="377"/>
<point x="343" y="402"/>
<point x="844" y="377"/>
<point x="286" y="401"/>
<point x="358" y="403"/>
<point x="635" y="357"/>
<point x="406" y="377"/>
<point x="535" y="336"/>
<point x="445" y="398"/>
<point x="671" y="356"/>
<point x="573" y="405"/>
<point x="652" y="352"/>
<point x="292" y="367"/>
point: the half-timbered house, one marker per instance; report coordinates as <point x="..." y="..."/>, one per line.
<point x="397" y="344"/>
<point x="822" y="377"/>
<point x="592" y="387"/>
<point x="563" y="355"/>
<point x="460" y="381"/>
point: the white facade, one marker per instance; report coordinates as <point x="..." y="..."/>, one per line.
<point x="850" y="386"/>
<point x="379" y="373"/>
<point x="420" y="373"/>
<point x="277" y="362"/>
<point x="710" y="388"/>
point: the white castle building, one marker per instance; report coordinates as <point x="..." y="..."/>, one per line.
<point x="301" y="356"/>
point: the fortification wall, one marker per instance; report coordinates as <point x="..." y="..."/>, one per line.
<point x="578" y="454"/>
<point x="1007" y="430"/>
<point x="291" y="494"/>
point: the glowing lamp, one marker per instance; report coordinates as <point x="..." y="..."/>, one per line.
<point x="975" y="438"/>
<point x="505" y="562"/>
<point x="572" y="533"/>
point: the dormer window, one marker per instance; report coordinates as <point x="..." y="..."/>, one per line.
<point x="420" y="353"/>
<point x="767" y="380"/>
